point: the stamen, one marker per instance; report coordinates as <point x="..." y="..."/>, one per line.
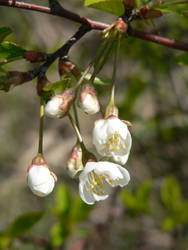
<point x="112" y="185"/>
<point x="88" y="190"/>
<point x="123" y="146"/>
<point x="117" y="179"/>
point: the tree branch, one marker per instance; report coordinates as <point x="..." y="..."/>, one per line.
<point x="158" y="39"/>
<point x="61" y="52"/>
<point x="94" y="24"/>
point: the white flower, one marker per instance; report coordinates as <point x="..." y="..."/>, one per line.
<point x="52" y="108"/>
<point x="40" y="180"/>
<point x="88" y="100"/>
<point x="98" y="178"/>
<point x="59" y="105"/>
<point x="112" y="138"/>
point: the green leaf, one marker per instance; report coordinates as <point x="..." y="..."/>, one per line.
<point x="57" y="86"/>
<point x="182" y="59"/>
<point x="143" y="196"/>
<point x="58" y="234"/>
<point x="168" y="224"/>
<point x="79" y="211"/>
<point x="4" y="32"/>
<point x="24" y="223"/>
<point x="99" y="81"/>
<point x="115" y="7"/>
<point x="171" y="194"/>
<point x="63" y="201"/>
<point x="10" y="50"/>
<point x="4" y="241"/>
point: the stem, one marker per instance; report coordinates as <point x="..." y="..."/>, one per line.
<point x="79" y="137"/>
<point x="84" y="75"/>
<point x="76" y="115"/>
<point x="114" y="71"/>
<point x="40" y="146"/>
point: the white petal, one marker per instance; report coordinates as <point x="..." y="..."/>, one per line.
<point x="121" y="159"/>
<point x="40" y="180"/>
<point x="126" y="177"/>
<point x="86" y="196"/>
<point x="52" y="109"/>
<point x="90" y="105"/>
<point x="108" y="168"/>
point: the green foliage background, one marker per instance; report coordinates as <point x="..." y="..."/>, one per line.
<point x="152" y="212"/>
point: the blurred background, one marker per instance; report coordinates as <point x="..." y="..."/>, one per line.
<point x="151" y="213"/>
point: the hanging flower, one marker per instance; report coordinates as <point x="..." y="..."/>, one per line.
<point x="88" y="100"/>
<point x="59" y="105"/>
<point x="112" y="138"/>
<point x="40" y="179"/>
<point x="74" y="163"/>
<point x="98" y="178"/>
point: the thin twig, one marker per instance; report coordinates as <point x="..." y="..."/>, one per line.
<point x="94" y="24"/>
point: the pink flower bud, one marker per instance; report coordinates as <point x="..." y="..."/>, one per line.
<point x="66" y="66"/>
<point x="74" y="163"/>
<point x="40" y="179"/>
<point x="59" y="105"/>
<point x="88" y="100"/>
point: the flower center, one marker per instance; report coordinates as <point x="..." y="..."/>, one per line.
<point x="115" y="143"/>
<point x="97" y="183"/>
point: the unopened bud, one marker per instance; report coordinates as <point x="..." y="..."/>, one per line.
<point x="149" y="14"/>
<point x="74" y="163"/>
<point x="59" y="105"/>
<point x="66" y="66"/>
<point x="35" y="56"/>
<point x="121" y="26"/>
<point x="88" y="100"/>
<point x="40" y="179"/>
<point x="111" y="111"/>
<point x="15" y="78"/>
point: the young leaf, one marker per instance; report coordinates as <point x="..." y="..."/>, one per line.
<point x="171" y="194"/>
<point x="182" y="59"/>
<point x="63" y="200"/>
<point x="23" y="223"/>
<point x="58" y="234"/>
<point x="57" y="86"/>
<point x="4" y="32"/>
<point x="115" y="7"/>
<point x="10" y="50"/>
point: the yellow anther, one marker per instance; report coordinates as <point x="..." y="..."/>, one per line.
<point x="116" y="135"/>
<point x="88" y="190"/>
<point x="91" y="185"/>
<point x="117" y="179"/>
<point x="112" y="185"/>
<point x="117" y="148"/>
<point x="118" y="143"/>
<point x="123" y="146"/>
<point x="102" y="191"/>
<point x="110" y="180"/>
<point x="112" y="149"/>
<point x="108" y="145"/>
<point x="111" y="140"/>
<point x="103" y="177"/>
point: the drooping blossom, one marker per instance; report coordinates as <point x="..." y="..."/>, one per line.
<point x="98" y="178"/>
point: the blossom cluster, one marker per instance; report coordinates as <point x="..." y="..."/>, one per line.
<point x="111" y="138"/>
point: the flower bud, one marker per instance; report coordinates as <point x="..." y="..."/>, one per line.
<point x="74" y="163"/>
<point x="40" y="179"/>
<point x="34" y="56"/>
<point x="66" y="66"/>
<point x="111" y="111"/>
<point x="59" y="105"/>
<point x="88" y="100"/>
<point x="14" y="78"/>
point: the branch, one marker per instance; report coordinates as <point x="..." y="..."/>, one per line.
<point x="93" y="24"/>
<point x="56" y="12"/>
<point x="158" y="39"/>
<point x="61" y="52"/>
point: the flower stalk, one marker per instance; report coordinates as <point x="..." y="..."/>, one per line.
<point x="41" y="126"/>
